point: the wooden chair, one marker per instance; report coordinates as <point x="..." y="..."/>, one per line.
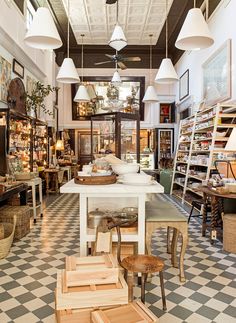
<point x="144" y="264"/>
<point x="166" y="215"/>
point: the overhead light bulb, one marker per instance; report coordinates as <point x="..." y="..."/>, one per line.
<point x="68" y="72"/>
<point x="195" y="33"/>
<point x="116" y="78"/>
<point x="118" y="40"/>
<point x="43" y="33"/>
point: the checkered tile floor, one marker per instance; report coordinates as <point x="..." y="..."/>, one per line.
<point x="28" y="274"/>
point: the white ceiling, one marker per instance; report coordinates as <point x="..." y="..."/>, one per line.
<point x="96" y="20"/>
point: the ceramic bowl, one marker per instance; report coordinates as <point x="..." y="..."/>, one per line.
<point x="121" y="169"/>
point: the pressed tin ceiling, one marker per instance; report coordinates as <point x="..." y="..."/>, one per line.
<point x="138" y="18"/>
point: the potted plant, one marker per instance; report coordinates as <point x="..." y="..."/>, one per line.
<point x="35" y="99"/>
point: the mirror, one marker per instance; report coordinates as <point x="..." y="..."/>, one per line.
<point x="106" y="97"/>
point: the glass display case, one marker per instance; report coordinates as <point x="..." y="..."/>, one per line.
<point x="116" y="133"/>
<point x="40" y="144"/>
<point x="165" y="147"/>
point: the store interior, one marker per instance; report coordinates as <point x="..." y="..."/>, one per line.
<point x="117" y="161"/>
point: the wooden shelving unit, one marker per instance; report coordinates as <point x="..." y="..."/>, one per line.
<point x="202" y="137"/>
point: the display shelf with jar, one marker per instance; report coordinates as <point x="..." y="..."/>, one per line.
<point x="201" y="142"/>
<point x="40" y="144"/>
<point x="116" y="133"/>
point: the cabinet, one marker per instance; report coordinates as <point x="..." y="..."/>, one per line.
<point x="167" y="112"/>
<point x="165" y="147"/>
<point x="116" y="133"/>
<point x="40" y="143"/>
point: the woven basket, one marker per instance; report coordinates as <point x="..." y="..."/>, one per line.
<point x="229" y="233"/>
<point x="6" y="242"/>
<point x="95" y="180"/>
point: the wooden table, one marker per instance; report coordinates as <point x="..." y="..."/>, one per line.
<point x="20" y="188"/>
<point x="217" y="207"/>
<point x="113" y="195"/>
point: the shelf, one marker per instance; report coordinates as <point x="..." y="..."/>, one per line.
<point x="183" y="151"/>
<point x="200" y="151"/>
<point x="227" y="115"/>
<point x="204" y="129"/>
<point x="181" y="162"/>
<point x="204" y="120"/>
<point x="178" y="172"/>
<point x="192" y="190"/>
<point x="225" y="125"/>
<point x="201" y="165"/>
<point x="205" y="110"/>
<point x="184" y="142"/>
<point x="196" y="177"/>
<point x="178" y="196"/>
<point x="178" y="184"/>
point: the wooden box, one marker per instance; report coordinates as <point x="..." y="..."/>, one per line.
<point x="127" y="249"/>
<point x="93" y="270"/>
<point x="91" y="295"/>
<point x="135" y="312"/>
<point x="22" y="219"/>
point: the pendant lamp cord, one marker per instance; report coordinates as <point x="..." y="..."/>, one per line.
<point x="116" y="61"/>
<point x="82" y="58"/>
<point x="150" y="69"/>
<point x="166" y="29"/>
<point x="194" y="3"/>
<point x="68" y="29"/>
<point x="117" y="12"/>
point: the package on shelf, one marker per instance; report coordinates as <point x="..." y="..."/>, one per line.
<point x="91" y="295"/>
<point x="93" y="270"/>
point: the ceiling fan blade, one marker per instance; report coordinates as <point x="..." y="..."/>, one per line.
<point x="122" y="65"/>
<point x="100" y="63"/>
<point x="109" y="56"/>
<point x="131" y="59"/>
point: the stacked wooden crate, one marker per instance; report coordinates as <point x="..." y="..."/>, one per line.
<point x="88" y="283"/>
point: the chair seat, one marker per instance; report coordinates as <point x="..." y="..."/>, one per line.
<point x="160" y="215"/>
<point x="143" y="264"/>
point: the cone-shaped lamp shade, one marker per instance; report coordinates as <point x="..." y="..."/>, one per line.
<point x="150" y="95"/>
<point x="82" y="95"/>
<point x="43" y="33"/>
<point x="231" y="143"/>
<point x="116" y="78"/>
<point x="68" y="72"/>
<point x="59" y="145"/>
<point x="166" y="72"/>
<point x="118" y="40"/>
<point x="195" y="33"/>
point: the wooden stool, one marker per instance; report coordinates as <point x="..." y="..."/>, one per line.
<point x="144" y="264"/>
<point x="168" y="217"/>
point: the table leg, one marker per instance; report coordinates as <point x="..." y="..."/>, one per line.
<point x="23" y="197"/>
<point x="204" y="215"/>
<point x="47" y="182"/>
<point x="214" y="216"/>
<point x="34" y="202"/>
<point x="56" y="183"/>
<point x="83" y="225"/>
<point x="174" y="248"/>
<point x="184" y="233"/>
<point x="41" y="198"/>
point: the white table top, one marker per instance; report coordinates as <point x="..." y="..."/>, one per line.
<point x="71" y="187"/>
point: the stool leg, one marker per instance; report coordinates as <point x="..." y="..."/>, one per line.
<point x="162" y="290"/>
<point x="190" y="214"/>
<point x="174" y="248"/>
<point x="41" y="198"/>
<point x="125" y="274"/>
<point x="168" y="240"/>
<point x="143" y="281"/>
<point x="130" y="282"/>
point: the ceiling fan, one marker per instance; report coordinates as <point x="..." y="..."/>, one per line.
<point x="119" y="60"/>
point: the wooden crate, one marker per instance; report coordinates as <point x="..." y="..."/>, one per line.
<point x="135" y="312"/>
<point x="92" y="270"/>
<point x="127" y="249"/>
<point x="91" y="295"/>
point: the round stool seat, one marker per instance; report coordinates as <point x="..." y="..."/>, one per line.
<point x="143" y="264"/>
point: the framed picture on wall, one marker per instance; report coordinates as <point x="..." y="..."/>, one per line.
<point x="184" y="85"/>
<point x="5" y="78"/>
<point x="217" y="75"/>
<point x="17" y="68"/>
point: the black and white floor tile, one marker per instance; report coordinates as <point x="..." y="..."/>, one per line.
<point x="28" y="274"/>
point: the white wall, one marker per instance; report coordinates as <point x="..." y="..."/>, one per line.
<point x="38" y="64"/>
<point x="165" y="93"/>
<point x="223" y="26"/>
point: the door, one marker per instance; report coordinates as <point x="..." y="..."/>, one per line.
<point x="164" y="148"/>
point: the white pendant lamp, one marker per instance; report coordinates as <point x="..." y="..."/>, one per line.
<point x="150" y="94"/>
<point x="166" y="72"/>
<point x="43" y="33"/>
<point x="116" y="80"/>
<point x="195" y="33"/>
<point x="82" y="94"/>
<point x="68" y="72"/>
<point x="231" y="143"/>
<point x="118" y="40"/>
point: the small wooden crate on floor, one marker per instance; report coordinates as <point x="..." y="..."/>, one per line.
<point x="22" y="213"/>
<point x="91" y="295"/>
<point x="127" y="249"/>
<point x="92" y="270"/>
<point x="135" y="312"/>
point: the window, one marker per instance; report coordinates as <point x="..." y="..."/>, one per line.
<point x="29" y="13"/>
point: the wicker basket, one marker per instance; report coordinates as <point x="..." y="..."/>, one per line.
<point x="6" y="242"/>
<point x="95" y="180"/>
<point x="229" y="233"/>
